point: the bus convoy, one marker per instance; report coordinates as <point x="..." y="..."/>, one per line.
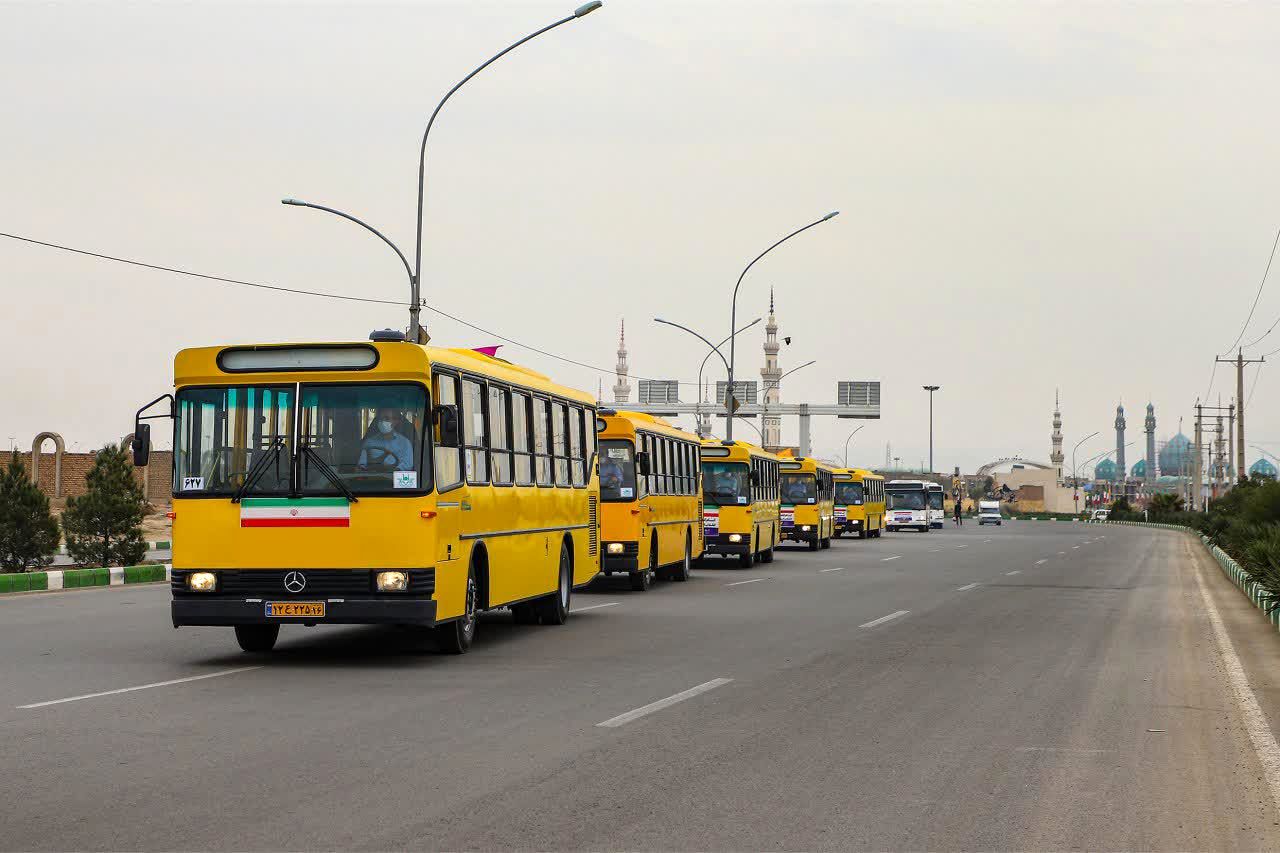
<point x="383" y="482"/>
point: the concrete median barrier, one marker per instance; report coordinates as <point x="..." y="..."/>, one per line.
<point x="83" y="578"/>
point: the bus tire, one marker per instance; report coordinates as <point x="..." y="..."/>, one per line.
<point x="681" y="571"/>
<point x="455" y="637"/>
<point x="257" y="638"/>
<point x="642" y="579"/>
<point x="747" y="560"/>
<point x="554" y="609"/>
<point x="814" y="544"/>
<point x="766" y="556"/>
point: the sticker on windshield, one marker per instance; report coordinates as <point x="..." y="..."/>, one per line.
<point x="808" y="500"/>
<point x="625" y="492"/>
<point x="741" y="499"/>
<point x="405" y="480"/>
<point x="193" y="484"/>
<point x="617" y="453"/>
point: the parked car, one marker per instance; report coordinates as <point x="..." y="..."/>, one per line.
<point x="989" y="513"/>
<point x="1101" y="514"/>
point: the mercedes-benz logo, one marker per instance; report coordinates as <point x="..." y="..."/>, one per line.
<point x="295" y="582"/>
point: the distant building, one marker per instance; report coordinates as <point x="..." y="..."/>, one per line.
<point x="622" y="387"/>
<point x="1055" y="454"/>
<point x="1263" y="468"/>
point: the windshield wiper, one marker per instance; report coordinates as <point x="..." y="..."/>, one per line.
<point x="331" y="475"/>
<point x="718" y="493"/>
<point x="258" y="468"/>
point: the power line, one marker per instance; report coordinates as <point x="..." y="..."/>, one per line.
<point x="1256" y="374"/>
<point x="316" y="293"/>
<point x="1258" y="296"/>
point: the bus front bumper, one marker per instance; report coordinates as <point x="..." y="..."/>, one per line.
<point x="852" y="525"/>
<point x="348" y="611"/>
<point x="800" y="533"/>
<point x="720" y="544"/>
<point x="620" y="557"/>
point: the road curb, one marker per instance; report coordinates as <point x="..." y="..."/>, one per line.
<point x="83" y="578"/>
<point x="151" y="546"/>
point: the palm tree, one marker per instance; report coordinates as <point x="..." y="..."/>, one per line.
<point x="1165" y="504"/>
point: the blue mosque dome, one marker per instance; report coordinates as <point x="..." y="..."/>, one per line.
<point x="1139" y="470"/>
<point x="1105" y="470"/>
<point x="1175" y="456"/>
<point x="1263" y="468"/>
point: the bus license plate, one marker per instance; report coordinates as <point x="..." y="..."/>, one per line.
<point x="294" y="609"/>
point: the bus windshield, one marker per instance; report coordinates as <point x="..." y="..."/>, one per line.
<point x="617" y="470"/>
<point x="223" y="432"/>
<point x="365" y="437"/>
<point x="935" y="500"/>
<point x="725" y="483"/>
<point x="799" y="488"/>
<point x="906" y="500"/>
<point x="849" y="493"/>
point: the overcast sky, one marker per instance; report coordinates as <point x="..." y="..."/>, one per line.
<point x="1034" y="196"/>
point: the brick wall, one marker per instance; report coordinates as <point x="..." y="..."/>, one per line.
<point x="75" y="466"/>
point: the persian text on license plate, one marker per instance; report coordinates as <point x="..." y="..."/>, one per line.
<point x="287" y="609"/>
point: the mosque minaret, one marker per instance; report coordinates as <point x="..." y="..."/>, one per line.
<point x="1056" y="455"/>
<point x="622" y="388"/>
<point x="771" y="373"/>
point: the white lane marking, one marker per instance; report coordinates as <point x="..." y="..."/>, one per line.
<point x="986" y="540"/>
<point x="139" y="687"/>
<point x="1062" y="553"/>
<point x="962" y="546"/>
<point x="884" y="619"/>
<point x="894" y="557"/>
<point x="965" y="588"/>
<point x="1014" y="572"/>
<point x="1073" y="547"/>
<point x="594" y="607"/>
<point x="1041" y="562"/>
<point x="740" y="583"/>
<point x="935" y="551"/>
<point x="645" y="710"/>
<point x="824" y="571"/>
<point x="1264" y="742"/>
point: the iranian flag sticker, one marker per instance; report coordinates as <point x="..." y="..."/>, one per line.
<point x="711" y="520"/>
<point x="288" y="512"/>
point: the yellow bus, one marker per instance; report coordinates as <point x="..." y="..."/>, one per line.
<point x="650" y="518"/>
<point x="740" y="501"/>
<point x="807" y="505"/>
<point x="374" y="482"/>
<point x="859" y="503"/>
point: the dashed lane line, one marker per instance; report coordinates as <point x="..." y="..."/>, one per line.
<point x="966" y="587"/>
<point x="837" y="569"/>
<point x="740" y="583"/>
<point x="883" y="619"/>
<point x="168" y="683"/>
<point x="1042" y="562"/>
<point x="646" y="710"/>
<point x="1014" y="572"/>
<point x="887" y="559"/>
<point x="594" y="607"/>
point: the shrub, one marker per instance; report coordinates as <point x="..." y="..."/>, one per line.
<point x="28" y="531"/>
<point x="104" y="526"/>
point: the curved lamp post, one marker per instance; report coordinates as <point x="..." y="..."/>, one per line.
<point x="733" y="307"/>
<point x="415" y="272"/>
<point x="703" y="365"/>
<point x="846" y="444"/>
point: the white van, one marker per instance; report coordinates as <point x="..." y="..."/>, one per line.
<point x="989" y="512"/>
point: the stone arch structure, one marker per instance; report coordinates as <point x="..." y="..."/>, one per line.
<point x="59" y="447"/>
<point x="985" y="470"/>
<point x="126" y="444"/>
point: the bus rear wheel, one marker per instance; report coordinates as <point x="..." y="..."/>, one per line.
<point x="257" y="638"/>
<point x="554" y="608"/>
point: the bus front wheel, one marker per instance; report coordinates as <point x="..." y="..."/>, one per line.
<point x="680" y="571"/>
<point x="257" y="638"/>
<point x="642" y="579"/>
<point x="456" y="636"/>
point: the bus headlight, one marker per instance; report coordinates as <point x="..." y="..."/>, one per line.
<point x="202" y="581"/>
<point x="735" y="537"/>
<point x="392" y="581"/>
<point x="804" y="529"/>
<point x="615" y="548"/>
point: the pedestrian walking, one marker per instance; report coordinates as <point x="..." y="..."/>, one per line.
<point x="959" y="517"/>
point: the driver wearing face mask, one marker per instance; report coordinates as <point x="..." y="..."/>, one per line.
<point x="385" y="447"/>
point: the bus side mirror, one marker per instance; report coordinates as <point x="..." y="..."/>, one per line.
<point x="642" y="462"/>
<point x="141" y="444"/>
<point x="446" y="418"/>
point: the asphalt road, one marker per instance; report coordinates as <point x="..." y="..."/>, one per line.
<point x="1034" y="686"/>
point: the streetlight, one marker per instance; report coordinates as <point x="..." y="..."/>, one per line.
<point x="415" y="273"/>
<point x="846" y="444"/>
<point x="696" y="335"/>
<point x="712" y="352"/>
<point x="733" y="312"/>
<point x="1075" y="472"/>
<point x="293" y="202"/>
<point x="931" y="389"/>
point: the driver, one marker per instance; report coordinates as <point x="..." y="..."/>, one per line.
<point x="610" y="474"/>
<point x="385" y="446"/>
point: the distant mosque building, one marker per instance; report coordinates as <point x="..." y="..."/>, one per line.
<point x="771" y="373"/>
<point x="1055" y="454"/>
<point x="1263" y="468"/>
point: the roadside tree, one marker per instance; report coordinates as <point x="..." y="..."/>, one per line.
<point x="28" y="531"/>
<point x="104" y="526"/>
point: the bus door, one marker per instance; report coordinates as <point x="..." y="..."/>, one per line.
<point x="450" y="490"/>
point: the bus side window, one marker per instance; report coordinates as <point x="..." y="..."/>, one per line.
<point x="541" y="448"/>
<point x="520" y="438"/>
<point x="499" y="435"/>
<point x="448" y="465"/>
<point x="577" y="460"/>
<point x="560" y="442"/>
<point x="474" y="431"/>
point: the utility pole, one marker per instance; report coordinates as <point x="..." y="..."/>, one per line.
<point x="1231" y="442"/>
<point x="1240" y="361"/>
<point x="1198" y="473"/>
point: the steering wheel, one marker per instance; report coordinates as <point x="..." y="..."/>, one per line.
<point x="382" y="458"/>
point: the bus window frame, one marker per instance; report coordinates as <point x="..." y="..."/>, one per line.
<point x="465" y="416"/>
<point x="527" y="454"/>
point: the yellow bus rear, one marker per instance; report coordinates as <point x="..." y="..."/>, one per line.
<point x="651" y="496"/>
<point x="807" y="502"/>
<point x="740" y="501"/>
<point x="375" y="483"/>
